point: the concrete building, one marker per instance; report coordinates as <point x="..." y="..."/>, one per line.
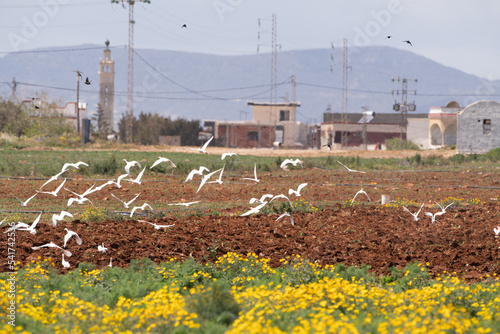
<point x="283" y="115"/>
<point x="70" y="114"/>
<point x="107" y="87"/>
<point x="242" y="134"/>
<point x="478" y="127"/>
<point x="368" y="130"/>
<point x="443" y="125"/>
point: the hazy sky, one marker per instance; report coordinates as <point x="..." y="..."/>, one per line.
<point x="463" y="34"/>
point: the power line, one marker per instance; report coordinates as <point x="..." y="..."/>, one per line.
<point x="58" y="50"/>
<point x="193" y="91"/>
<point x="390" y="93"/>
<point x="59" y="4"/>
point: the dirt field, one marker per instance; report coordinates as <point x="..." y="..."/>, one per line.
<point x="461" y="240"/>
<point x="289" y="152"/>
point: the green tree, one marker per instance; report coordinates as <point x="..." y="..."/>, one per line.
<point x="147" y="129"/>
<point x="30" y="119"/>
<point x="102" y="128"/>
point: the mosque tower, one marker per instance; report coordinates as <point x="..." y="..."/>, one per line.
<point x="107" y="87"/>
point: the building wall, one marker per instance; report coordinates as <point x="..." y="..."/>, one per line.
<point x="270" y="113"/>
<point x="443" y="125"/>
<point x="418" y="131"/>
<point x="375" y="133"/>
<point x="281" y="114"/>
<point x="70" y="114"/>
<point x="478" y="127"/>
<point x="245" y="135"/>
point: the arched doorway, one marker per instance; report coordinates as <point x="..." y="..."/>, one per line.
<point x="436" y="135"/>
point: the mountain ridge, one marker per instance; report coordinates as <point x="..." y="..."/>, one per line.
<point x="204" y="86"/>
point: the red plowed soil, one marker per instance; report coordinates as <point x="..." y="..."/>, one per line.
<point x="461" y="240"/>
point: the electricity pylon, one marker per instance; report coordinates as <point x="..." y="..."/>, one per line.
<point x="130" y="78"/>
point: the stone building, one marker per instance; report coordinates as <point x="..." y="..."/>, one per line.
<point x="443" y="125"/>
<point x="478" y="127"/>
<point x="107" y="87"/>
<point x="370" y="130"/>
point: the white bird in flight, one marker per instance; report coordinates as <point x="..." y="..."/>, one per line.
<point x="156" y="226"/>
<point x="25" y="227"/>
<point x="53" y="193"/>
<point x="229" y="154"/>
<point x="85" y="193"/>
<point x="196" y="172"/>
<point x="65" y="263"/>
<point x="204" y="147"/>
<point x="286" y="214"/>
<point x="70" y="234"/>
<point x="79" y="201"/>
<point x="105" y="184"/>
<point x="219" y="180"/>
<point x="415" y="215"/>
<point x="261" y="200"/>
<point x="254" y="210"/>
<point x="290" y="161"/>
<point x="433" y="216"/>
<point x="51" y="244"/>
<point x="130" y="164"/>
<point x="185" y="204"/>
<point x="205" y="178"/>
<point x="282" y="196"/>
<point x="497" y="231"/>
<point x="350" y="170"/>
<point x="137" y="180"/>
<point x="25" y="203"/>
<point x="102" y="248"/>
<point x="75" y="165"/>
<point x="255" y="179"/>
<point x="160" y="160"/>
<point x="142" y="207"/>
<point x="126" y="204"/>
<point x="58" y="217"/>
<point x="117" y="183"/>
<point x="446" y="207"/>
<point x="361" y="192"/>
<point x="297" y="192"/>
<point x="52" y="178"/>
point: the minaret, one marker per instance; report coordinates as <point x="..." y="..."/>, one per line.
<point x="107" y="87"/>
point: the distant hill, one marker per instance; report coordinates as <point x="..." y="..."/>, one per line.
<point x="203" y="86"/>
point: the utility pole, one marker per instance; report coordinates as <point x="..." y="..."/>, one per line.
<point x="294" y="85"/>
<point x="365" y="122"/>
<point x="403" y="108"/>
<point x="13" y="87"/>
<point x="78" y="76"/>
<point x="130" y="82"/>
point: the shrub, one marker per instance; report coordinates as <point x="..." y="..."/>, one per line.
<point x="214" y="302"/>
<point x="105" y="167"/>
<point x="394" y="144"/>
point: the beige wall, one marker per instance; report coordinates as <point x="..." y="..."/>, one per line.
<point x="271" y="114"/>
<point x="418" y="131"/>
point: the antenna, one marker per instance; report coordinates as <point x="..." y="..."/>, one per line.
<point x="274" y="66"/>
<point x="130" y="81"/>
<point x="403" y="108"/>
<point x="343" y="119"/>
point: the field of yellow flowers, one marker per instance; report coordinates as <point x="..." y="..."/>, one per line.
<point x="243" y="294"/>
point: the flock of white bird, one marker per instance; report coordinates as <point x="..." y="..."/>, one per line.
<point x="82" y="198"/>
